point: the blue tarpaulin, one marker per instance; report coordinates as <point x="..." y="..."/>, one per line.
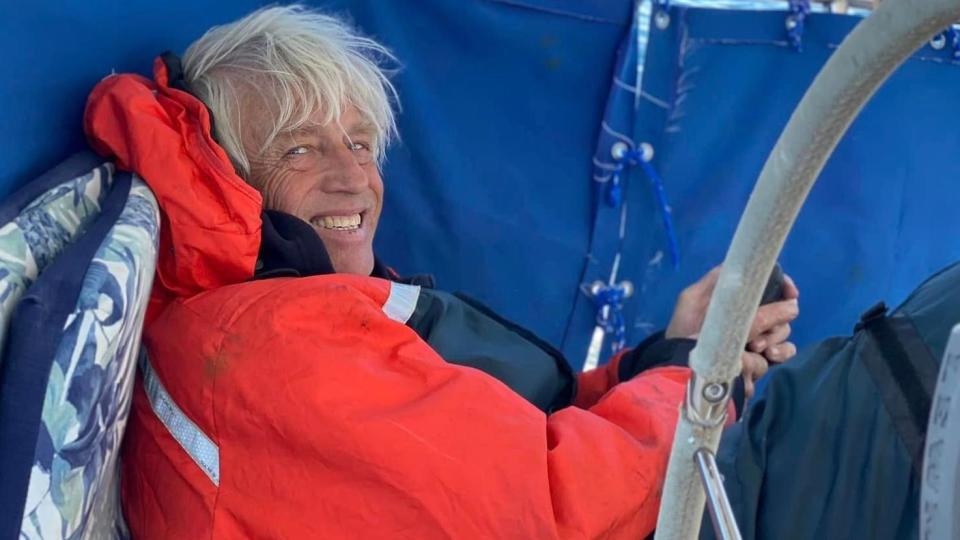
<point x="718" y="87"/>
<point x="510" y="110"/>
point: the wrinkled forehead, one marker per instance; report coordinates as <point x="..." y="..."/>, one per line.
<point x="351" y="123"/>
<point x="264" y="119"/>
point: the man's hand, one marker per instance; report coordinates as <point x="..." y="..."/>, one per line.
<point x="767" y="341"/>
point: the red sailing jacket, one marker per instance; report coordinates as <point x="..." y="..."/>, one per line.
<point x="305" y="408"/>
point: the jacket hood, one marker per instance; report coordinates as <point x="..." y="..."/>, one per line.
<point x="210" y="217"/>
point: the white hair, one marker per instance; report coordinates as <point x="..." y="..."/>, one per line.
<point x="298" y="62"/>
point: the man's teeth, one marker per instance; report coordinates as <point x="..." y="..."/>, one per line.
<point x="340" y="223"/>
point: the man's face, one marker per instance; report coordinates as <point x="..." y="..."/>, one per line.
<point x="328" y="177"/>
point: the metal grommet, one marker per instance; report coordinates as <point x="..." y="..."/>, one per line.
<point x="938" y="41"/>
<point x="618" y="150"/>
<point x="646" y="151"/>
<point x="791" y="22"/>
<point x="596" y="287"/>
<point x="714" y="392"/>
<point x="662" y="19"/>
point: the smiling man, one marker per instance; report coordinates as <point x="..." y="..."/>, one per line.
<point x="296" y="388"/>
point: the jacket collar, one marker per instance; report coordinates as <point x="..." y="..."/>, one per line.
<point x="289" y="247"/>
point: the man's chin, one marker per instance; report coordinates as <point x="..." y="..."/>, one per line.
<point x="360" y="265"/>
<point x="350" y="252"/>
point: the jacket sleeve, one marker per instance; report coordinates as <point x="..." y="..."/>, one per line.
<point x="593" y="384"/>
<point x="327" y="397"/>
<point x="655" y="351"/>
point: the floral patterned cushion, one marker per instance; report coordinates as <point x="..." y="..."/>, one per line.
<point x="34" y="237"/>
<point x="72" y="487"/>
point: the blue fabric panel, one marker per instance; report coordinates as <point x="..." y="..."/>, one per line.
<point x="490" y="186"/>
<point x="36" y="328"/>
<point x="876" y="222"/>
<point x="610" y="11"/>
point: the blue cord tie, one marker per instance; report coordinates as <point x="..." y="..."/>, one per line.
<point x="614" y="195"/>
<point x="799" y="9"/>
<point x="609" y="301"/>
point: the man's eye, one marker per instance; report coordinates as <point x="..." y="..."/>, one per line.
<point x="361" y="151"/>
<point x="297" y="151"/>
<point x="359" y="147"/>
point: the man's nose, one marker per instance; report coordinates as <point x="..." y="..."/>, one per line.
<point x="345" y="175"/>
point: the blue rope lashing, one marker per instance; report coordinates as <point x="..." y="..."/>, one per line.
<point x="613" y="195"/>
<point x="609" y="302"/>
<point x="799" y="9"/>
<point x="666" y="213"/>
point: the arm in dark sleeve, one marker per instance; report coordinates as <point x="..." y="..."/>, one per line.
<point x="653" y="352"/>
